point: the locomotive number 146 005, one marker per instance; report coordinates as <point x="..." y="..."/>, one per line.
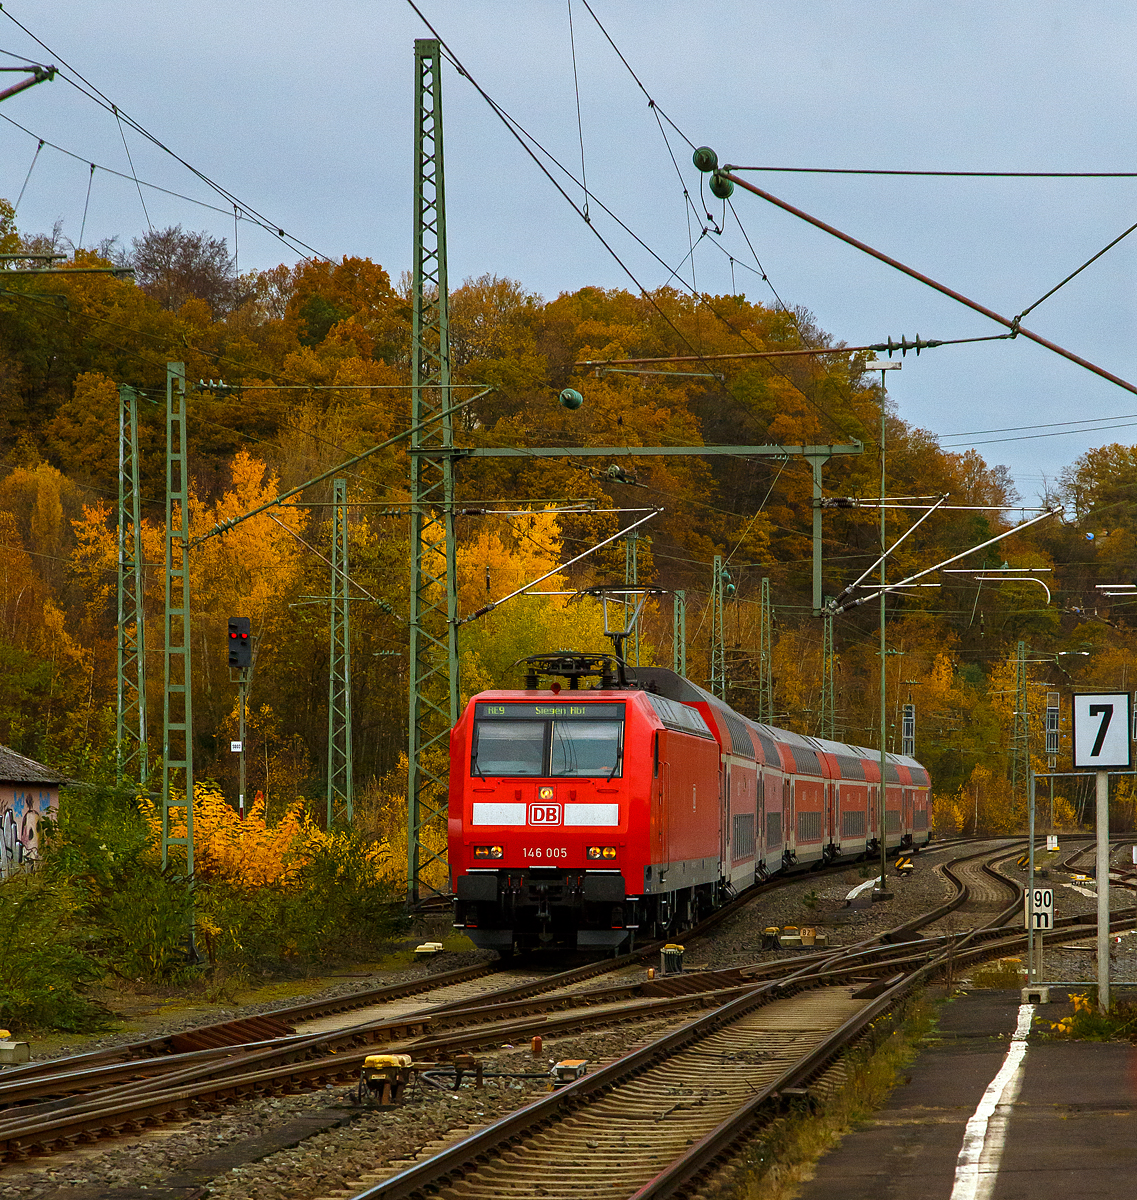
<point x="546" y="852"/>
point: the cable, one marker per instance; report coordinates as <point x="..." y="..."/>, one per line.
<point x="1046" y="425"/>
<point x="35" y="158"/>
<point x="927" y="281"/>
<point x="111" y="171"/>
<point x="133" y="172"/>
<point x="83" y="227"/>
<point x="579" y="123"/>
<point x="523" y="138"/>
<point x="1094" y="258"/>
<point x="96" y="96"/>
<point x="1034" y="436"/>
<point x="651" y="103"/>
<point x="940" y="174"/>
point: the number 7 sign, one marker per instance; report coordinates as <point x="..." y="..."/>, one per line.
<point x="1101" y="727"/>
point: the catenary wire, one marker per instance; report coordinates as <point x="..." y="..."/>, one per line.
<point x="93" y="93"/>
<point x="524" y="138"/>
<point x="111" y="171"/>
<point x="133" y="172"/>
<point x="35" y="159"/>
<point x="939" y="174"/>
<point x="579" y="122"/>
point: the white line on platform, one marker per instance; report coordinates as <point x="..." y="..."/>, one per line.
<point x="977" y="1167"/>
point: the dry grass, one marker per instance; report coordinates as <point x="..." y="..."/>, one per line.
<point x="784" y="1157"/>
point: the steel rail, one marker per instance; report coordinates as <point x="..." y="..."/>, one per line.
<point x="321" y="1057"/>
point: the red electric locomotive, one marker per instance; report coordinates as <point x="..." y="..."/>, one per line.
<point x="581" y="816"/>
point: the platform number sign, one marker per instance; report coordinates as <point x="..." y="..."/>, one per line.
<point x="1102" y="725"/>
<point x="1039" y="904"/>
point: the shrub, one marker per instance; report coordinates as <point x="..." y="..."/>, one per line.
<point x="1086" y="1024"/>
<point x="137" y="914"/>
<point x="43" y="965"/>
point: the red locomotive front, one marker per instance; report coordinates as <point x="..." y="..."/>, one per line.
<point x="540" y="807"/>
<point x="556" y="809"/>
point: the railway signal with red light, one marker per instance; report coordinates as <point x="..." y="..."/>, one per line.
<point x="240" y="643"/>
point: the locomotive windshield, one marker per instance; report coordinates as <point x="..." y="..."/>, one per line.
<point x="548" y="740"/>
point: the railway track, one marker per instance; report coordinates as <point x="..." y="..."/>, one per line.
<point x="660" y="1121"/>
<point x="57" y="1105"/>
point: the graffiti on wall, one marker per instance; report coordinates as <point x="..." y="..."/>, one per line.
<point x="21" y="812"/>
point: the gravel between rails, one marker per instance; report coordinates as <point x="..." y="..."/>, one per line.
<point x="195" y="1017"/>
<point x="329" y="1160"/>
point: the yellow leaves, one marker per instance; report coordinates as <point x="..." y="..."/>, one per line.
<point x="255" y="565"/>
<point x="252" y="852"/>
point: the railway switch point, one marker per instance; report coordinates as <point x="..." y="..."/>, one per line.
<point x="568" y="1070"/>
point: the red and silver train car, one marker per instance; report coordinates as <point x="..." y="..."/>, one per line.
<point x="579" y="817"/>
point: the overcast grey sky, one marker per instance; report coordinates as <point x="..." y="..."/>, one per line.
<point x="305" y="113"/>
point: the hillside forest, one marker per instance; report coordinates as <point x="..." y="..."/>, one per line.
<point x="315" y="362"/>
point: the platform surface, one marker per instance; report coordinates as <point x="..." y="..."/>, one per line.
<point x="1070" y="1134"/>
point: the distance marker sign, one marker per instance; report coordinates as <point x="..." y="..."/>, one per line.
<point x="1101" y="727"/>
<point x="1038" y="908"/>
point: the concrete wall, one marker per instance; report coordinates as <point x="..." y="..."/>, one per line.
<point x="22" y="807"/>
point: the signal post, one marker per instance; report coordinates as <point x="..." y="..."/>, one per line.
<point x="241" y="660"/>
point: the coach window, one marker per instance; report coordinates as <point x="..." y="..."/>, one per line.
<point x="509" y="748"/>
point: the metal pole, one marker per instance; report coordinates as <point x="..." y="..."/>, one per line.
<point x="1031" y="970"/>
<point x="816" y="462"/>
<point x="766" y="658"/>
<point x="828" y="722"/>
<point x="242" y="701"/>
<point x="340" y="797"/>
<point x="718" y="648"/>
<point x="883" y="806"/>
<point x="1102" y="814"/>
<point x="433" y="651"/>
<point x="679" y="633"/>
<point x="130" y="726"/>
<point x="177" y="709"/>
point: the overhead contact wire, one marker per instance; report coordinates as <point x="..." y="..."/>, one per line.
<point x="94" y="94"/>
<point x="1008" y="322"/>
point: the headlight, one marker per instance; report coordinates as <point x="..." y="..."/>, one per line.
<point x="488" y="852"/>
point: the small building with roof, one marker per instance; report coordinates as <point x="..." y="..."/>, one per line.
<point x="29" y="791"/>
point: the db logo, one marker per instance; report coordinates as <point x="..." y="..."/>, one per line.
<point x="544" y="814"/>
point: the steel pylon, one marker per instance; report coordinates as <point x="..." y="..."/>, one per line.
<point x="177" y="708"/>
<point x="340" y="799"/>
<point x="765" y="657"/>
<point x="131" y="761"/>
<point x="718" y="634"/>
<point x="433" y="653"/>
<point x="827" y="727"/>
<point x="679" y="633"/>
<point x="1020" y="737"/>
